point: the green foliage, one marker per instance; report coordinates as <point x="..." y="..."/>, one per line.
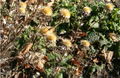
<point x="93" y="27"/>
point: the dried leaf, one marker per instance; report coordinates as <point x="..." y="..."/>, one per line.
<point x="95" y="60"/>
<point x="78" y="70"/>
<point x="107" y="56"/>
<point x="27" y="66"/>
<point x="75" y="62"/>
<point x="26" y="48"/>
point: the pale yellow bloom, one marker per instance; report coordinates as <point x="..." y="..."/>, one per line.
<point x="47" y="11"/>
<point x="22" y="10"/>
<point x="46" y="30"/>
<point x="23" y="4"/>
<point x="67" y="42"/>
<point x="65" y="13"/>
<point x="110" y="6"/>
<point x="51" y="37"/>
<point x="87" y="10"/>
<point x="85" y="43"/>
<point x="43" y="30"/>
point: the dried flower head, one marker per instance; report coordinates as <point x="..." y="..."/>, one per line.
<point x="23" y="4"/>
<point x="65" y="13"/>
<point x="85" y="43"/>
<point x="47" y="11"/>
<point x="51" y="37"/>
<point x="114" y="37"/>
<point x="87" y="10"/>
<point x="109" y="6"/>
<point x="67" y="42"/>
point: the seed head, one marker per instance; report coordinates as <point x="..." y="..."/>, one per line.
<point x="22" y="10"/>
<point x="67" y="42"/>
<point x="109" y="6"/>
<point x="65" y="13"/>
<point x="51" y="37"/>
<point x="87" y="10"/>
<point x="47" y="11"/>
<point x="85" y="43"/>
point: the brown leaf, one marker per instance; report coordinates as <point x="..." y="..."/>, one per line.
<point x="57" y="69"/>
<point x="26" y="48"/>
<point x="39" y="69"/>
<point x="81" y="53"/>
<point x="45" y="58"/>
<point x="32" y="1"/>
<point x="78" y="70"/>
<point x="95" y="60"/>
<point x="107" y="55"/>
<point x="75" y="62"/>
<point x="27" y="66"/>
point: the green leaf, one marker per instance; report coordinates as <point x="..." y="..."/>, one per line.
<point x="94" y="22"/>
<point x="59" y="75"/>
<point x="93" y="36"/>
<point x="95" y="25"/>
<point x="117" y="49"/>
<point x="65" y="59"/>
<point x="48" y="71"/>
<point x="53" y="56"/>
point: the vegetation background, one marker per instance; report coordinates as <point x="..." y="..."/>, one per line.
<point x="59" y="38"/>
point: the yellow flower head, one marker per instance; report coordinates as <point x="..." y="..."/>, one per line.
<point x="47" y="11"/>
<point x="67" y="42"/>
<point x="110" y="6"/>
<point x="51" y="37"/>
<point x="87" y="10"/>
<point x="22" y="10"/>
<point x="47" y="30"/>
<point x="85" y="43"/>
<point x="23" y="4"/>
<point x="65" y="13"/>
